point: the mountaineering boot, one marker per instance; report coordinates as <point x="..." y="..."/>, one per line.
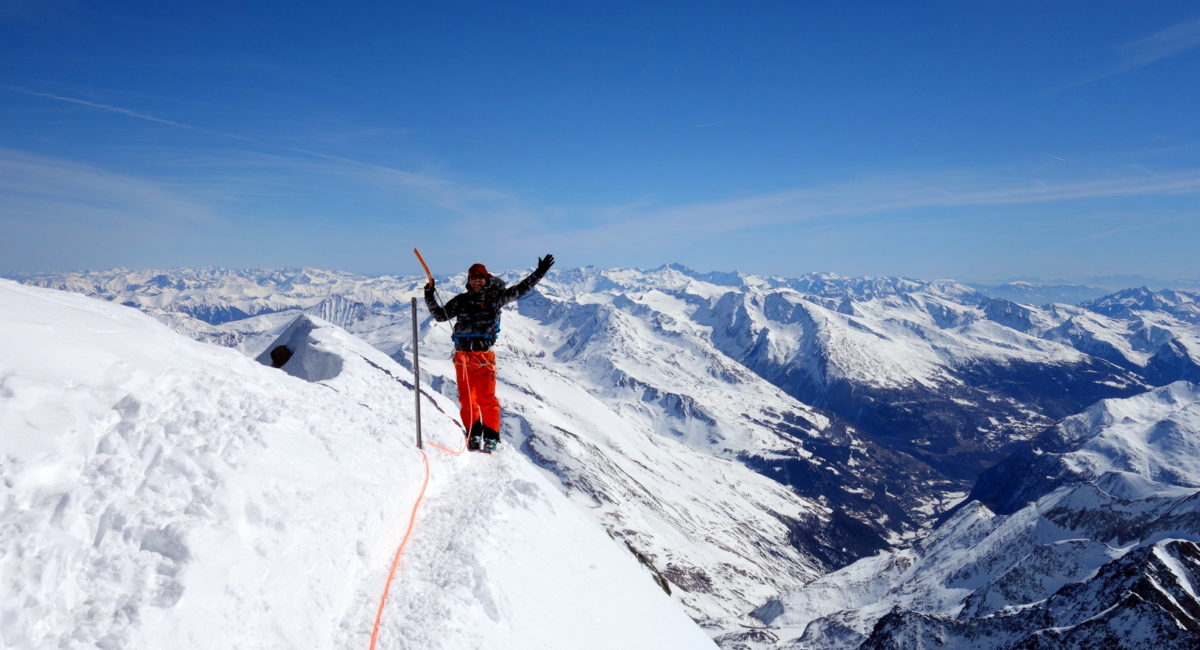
<point x="491" y="439"/>
<point x="475" y="436"/>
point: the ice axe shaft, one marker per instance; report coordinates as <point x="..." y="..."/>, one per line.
<point x="424" y="265"/>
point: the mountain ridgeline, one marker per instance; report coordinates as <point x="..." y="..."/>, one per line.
<point x="814" y="421"/>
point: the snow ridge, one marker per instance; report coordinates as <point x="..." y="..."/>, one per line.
<point x="160" y="492"/>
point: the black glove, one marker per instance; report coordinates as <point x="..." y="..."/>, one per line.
<point x="544" y="264"/>
<point x="429" y="288"/>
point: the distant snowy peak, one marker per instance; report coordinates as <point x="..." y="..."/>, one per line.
<point x="339" y="310"/>
<point x="1184" y="305"/>
<point x="1035" y="293"/>
<point x="676" y="277"/>
<point x="829" y="285"/>
<point x="1140" y="443"/>
<point x="1120" y="418"/>
<point x="1152" y="334"/>
<point x="1105" y="553"/>
<point x="217" y="296"/>
<point x="568" y="283"/>
<point x="720" y="278"/>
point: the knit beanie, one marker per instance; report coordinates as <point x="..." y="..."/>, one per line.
<point x="478" y="269"/>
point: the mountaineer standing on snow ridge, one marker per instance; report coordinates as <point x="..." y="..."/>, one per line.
<point x="478" y="323"/>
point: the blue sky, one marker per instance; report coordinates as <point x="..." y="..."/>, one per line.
<point x="975" y="140"/>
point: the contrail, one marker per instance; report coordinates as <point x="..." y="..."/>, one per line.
<point x="104" y="107"/>
<point x="181" y="125"/>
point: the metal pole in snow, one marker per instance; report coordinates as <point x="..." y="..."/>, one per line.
<point x="416" y="374"/>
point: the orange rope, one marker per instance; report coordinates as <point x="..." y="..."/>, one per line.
<point x="448" y="450"/>
<point x="412" y="520"/>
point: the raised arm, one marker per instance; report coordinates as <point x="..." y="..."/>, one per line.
<point x="439" y="314"/>
<point x="521" y="288"/>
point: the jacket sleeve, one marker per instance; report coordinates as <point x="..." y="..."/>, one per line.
<point x="520" y="289"/>
<point x="439" y="313"/>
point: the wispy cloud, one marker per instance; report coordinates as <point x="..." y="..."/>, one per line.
<point x="1142" y="225"/>
<point x="50" y="189"/>
<point x="1146" y="51"/>
<point x="1160" y="45"/>
<point x="60" y="214"/>
<point x="472" y="203"/>
<point x="103" y="107"/>
<point x="700" y="221"/>
<point x="29" y="175"/>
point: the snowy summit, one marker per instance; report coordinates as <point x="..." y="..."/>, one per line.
<point x="160" y="492"/>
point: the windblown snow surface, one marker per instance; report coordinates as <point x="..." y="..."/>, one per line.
<point x="159" y="492"/>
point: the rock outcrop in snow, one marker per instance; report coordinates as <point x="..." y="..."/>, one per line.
<point x="296" y="353"/>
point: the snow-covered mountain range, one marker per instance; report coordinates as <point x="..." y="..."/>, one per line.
<point x="1040" y="293"/>
<point x="741" y="435"/>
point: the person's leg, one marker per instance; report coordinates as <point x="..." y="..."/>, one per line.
<point x="468" y="409"/>
<point x="483" y="386"/>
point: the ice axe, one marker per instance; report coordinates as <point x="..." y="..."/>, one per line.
<point x="427" y="273"/>
<point x="424" y="265"/>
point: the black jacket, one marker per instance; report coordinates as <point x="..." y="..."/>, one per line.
<point x="477" y="314"/>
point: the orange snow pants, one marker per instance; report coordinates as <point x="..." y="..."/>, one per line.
<point x="476" y="372"/>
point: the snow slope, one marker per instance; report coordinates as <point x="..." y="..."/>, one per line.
<point x="721" y="535"/>
<point x="160" y="492"/>
<point x="1106" y="553"/>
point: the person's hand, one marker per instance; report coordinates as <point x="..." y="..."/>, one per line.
<point x="544" y="264"/>
<point x="429" y="287"/>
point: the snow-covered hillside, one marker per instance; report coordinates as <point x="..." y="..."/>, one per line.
<point x="1106" y="553"/>
<point x="720" y="535"/>
<point x="160" y="492"/>
<point x="1154" y="335"/>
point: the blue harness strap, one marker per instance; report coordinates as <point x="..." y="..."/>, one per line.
<point x="476" y="341"/>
